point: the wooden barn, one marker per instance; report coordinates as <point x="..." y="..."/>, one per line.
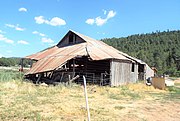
<point x="77" y="54"/>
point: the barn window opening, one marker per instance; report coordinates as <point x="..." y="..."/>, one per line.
<point x="132" y="68"/>
<point x="71" y="39"/>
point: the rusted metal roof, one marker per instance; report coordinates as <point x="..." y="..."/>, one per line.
<point x="42" y="54"/>
<point x="55" y="57"/>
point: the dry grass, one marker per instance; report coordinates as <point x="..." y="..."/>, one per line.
<point x="26" y="101"/>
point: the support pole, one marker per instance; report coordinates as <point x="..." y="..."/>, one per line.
<point x="86" y="96"/>
<point x="39" y="77"/>
<point x="73" y="67"/>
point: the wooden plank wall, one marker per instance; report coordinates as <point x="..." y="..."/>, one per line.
<point x="121" y="73"/>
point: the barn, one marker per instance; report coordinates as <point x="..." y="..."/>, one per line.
<point x="77" y="54"/>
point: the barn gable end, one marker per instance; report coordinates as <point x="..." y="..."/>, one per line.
<point x="70" y="39"/>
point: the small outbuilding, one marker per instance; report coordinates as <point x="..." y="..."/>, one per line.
<point x="77" y="54"/>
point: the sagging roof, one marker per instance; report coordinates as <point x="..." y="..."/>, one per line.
<point x="54" y="57"/>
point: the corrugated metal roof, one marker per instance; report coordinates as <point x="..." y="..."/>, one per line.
<point x="111" y="50"/>
<point x="42" y="54"/>
<point x="54" y="57"/>
<point x="57" y="58"/>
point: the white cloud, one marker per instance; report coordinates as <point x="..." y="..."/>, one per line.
<point x="111" y="14"/>
<point x="22" y="9"/>
<point x="2" y="32"/>
<point x="9" y="41"/>
<point x="16" y="27"/>
<point x="19" y="29"/>
<point x="23" y="42"/>
<point x="4" y="39"/>
<point x="40" y="34"/>
<point x="39" y="20"/>
<point x="90" y="21"/>
<point x="47" y="40"/>
<point x="35" y="32"/>
<point x="10" y="25"/>
<point x="55" y="21"/>
<point x="101" y="21"/>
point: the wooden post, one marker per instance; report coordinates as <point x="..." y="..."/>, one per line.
<point x="86" y="96"/>
<point x="73" y="68"/>
<point x="39" y="77"/>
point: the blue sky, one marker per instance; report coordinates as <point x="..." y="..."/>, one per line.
<point x="28" y="26"/>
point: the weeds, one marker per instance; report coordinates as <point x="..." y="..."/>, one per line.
<point x="8" y="75"/>
<point x="119" y="107"/>
<point x="132" y="94"/>
<point x="173" y="89"/>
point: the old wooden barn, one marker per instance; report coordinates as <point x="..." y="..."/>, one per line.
<point x="77" y="54"/>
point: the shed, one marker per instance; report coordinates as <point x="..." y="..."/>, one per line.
<point x="77" y="54"/>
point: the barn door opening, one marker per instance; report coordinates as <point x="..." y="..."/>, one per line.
<point x="141" y="72"/>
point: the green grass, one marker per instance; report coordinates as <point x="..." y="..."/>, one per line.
<point x="174" y="89"/>
<point x="8" y="75"/>
<point x="173" y="95"/>
<point x="125" y="93"/>
<point x="177" y="84"/>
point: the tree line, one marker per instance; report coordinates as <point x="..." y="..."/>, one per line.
<point x="157" y="49"/>
<point x="13" y="61"/>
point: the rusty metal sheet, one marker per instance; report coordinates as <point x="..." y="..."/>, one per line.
<point x="57" y="58"/>
<point x="42" y="54"/>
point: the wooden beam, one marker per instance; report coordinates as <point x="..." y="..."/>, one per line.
<point x="39" y="77"/>
<point x="71" y="80"/>
<point x="73" y="67"/>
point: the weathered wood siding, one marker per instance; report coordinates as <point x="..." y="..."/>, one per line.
<point x="121" y="73"/>
<point x="149" y="72"/>
<point x="65" y="40"/>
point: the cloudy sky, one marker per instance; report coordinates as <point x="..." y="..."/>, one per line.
<point x="28" y="26"/>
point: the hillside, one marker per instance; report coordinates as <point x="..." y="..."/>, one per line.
<point x="158" y="49"/>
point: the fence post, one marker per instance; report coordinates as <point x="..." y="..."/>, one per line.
<point x="86" y="96"/>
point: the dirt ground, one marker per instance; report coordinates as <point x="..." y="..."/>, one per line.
<point x="151" y="110"/>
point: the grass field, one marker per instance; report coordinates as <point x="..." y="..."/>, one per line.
<point x="20" y="100"/>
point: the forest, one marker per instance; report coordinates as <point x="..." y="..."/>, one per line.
<point x="157" y="49"/>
